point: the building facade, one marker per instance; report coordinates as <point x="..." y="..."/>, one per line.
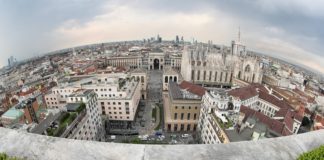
<point x="89" y="126"/>
<point x="218" y="112"/>
<point x="170" y="75"/>
<point x="210" y="65"/>
<point x="182" y="106"/>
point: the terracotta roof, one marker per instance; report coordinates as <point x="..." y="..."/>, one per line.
<point x="244" y="93"/>
<point x="273" y="100"/>
<point x="277" y="126"/>
<point x="195" y="89"/>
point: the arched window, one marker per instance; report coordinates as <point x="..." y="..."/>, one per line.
<point x="247" y="68"/>
<point x="166" y="79"/>
<point x="142" y="79"/>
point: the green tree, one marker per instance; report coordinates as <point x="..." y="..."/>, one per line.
<point x="316" y="154"/>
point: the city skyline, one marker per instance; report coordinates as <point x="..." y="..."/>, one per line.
<point x="289" y="30"/>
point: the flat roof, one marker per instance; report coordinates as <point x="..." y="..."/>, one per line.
<point x="72" y="107"/>
<point x="13" y="113"/>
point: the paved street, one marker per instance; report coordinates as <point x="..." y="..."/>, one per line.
<point x="145" y="124"/>
<point x="154" y="90"/>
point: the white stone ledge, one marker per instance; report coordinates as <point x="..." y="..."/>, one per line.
<point x="32" y="146"/>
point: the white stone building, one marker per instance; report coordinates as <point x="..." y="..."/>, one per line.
<point x="170" y="75"/>
<point x="118" y="93"/>
<point x="216" y="111"/>
<point x="89" y="126"/>
<point x="211" y="65"/>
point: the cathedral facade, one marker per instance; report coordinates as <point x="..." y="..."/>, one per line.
<point x="211" y="65"/>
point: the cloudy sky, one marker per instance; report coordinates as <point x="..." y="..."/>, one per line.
<point x="289" y="29"/>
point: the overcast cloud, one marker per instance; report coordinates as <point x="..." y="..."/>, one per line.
<point x="290" y="29"/>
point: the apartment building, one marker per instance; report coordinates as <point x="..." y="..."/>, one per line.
<point x="182" y="106"/>
<point x="122" y="100"/>
<point x="118" y="93"/>
<point x="90" y="126"/>
<point x="80" y="118"/>
<point x="218" y="112"/>
<point x="262" y="99"/>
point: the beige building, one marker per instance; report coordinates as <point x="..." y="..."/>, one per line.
<point x="182" y="106"/>
<point x="170" y="75"/>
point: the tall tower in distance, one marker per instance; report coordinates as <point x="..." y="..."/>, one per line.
<point x="177" y="39"/>
<point x="237" y="47"/>
<point x="11" y="61"/>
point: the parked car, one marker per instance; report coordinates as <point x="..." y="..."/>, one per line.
<point x="158" y="134"/>
<point x="185" y="135"/>
<point x="113" y="137"/>
<point x="143" y="137"/>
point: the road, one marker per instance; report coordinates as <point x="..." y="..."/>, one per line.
<point x="154" y="90"/>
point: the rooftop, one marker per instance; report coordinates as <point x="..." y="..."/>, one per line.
<point x="13" y="113"/>
<point x="178" y="92"/>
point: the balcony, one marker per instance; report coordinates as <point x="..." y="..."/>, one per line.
<point x="67" y="122"/>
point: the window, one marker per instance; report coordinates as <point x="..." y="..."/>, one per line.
<point x="188" y="127"/>
<point x="196" y="107"/>
<point x="195" y="116"/>
<point x="226" y="77"/>
<point x="195" y="126"/>
<point x="210" y="75"/>
<point x="120" y="112"/>
<point x="182" y="107"/>
<point x="175" y="127"/>
<point x="175" y="116"/>
<point x="182" y="127"/>
<point x="182" y="114"/>
<point x="215" y="76"/>
<point x="192" y="74"/>
<point x="119" y="103"/>
<point x="198" y="75"/>
<point x="188" y="116"/>
<point x="176" y="107"/>
<point x="102" y="103"/>
<point x="221" y="77"/>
